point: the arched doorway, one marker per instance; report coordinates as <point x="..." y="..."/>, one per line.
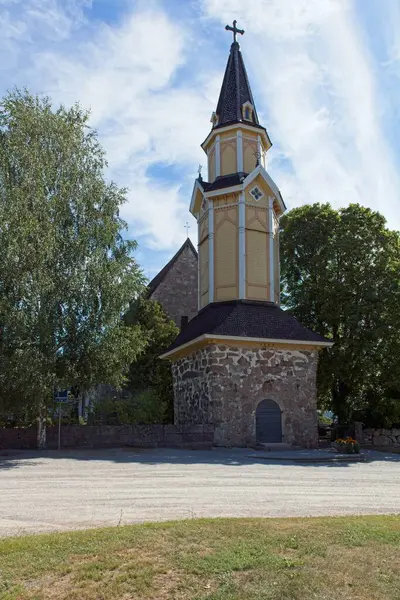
<point x="268" y="422"/>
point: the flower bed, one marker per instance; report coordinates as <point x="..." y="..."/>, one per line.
<point x="347" y="445"/>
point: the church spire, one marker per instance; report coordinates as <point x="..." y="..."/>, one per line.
<point x="235" y="102"/>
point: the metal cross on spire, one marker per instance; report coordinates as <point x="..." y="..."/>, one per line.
<point x="187" y="227"/>
<point x="234" y="29"/>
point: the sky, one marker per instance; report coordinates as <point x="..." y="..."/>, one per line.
<point x="325" y="76"/>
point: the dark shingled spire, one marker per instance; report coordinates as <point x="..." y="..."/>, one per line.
<point x="235" y="90"/>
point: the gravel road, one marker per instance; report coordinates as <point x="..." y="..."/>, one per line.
<point x="53" y="491"/>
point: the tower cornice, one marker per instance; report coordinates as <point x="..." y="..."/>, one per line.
<point x="237" y="125"/>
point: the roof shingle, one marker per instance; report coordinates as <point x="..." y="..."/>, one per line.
<point x="246" y="318"/>
<point x="235" y="90"/>
<point x="224" y="181"/>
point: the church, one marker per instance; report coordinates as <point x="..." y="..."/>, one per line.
<point x="241" y="363"/>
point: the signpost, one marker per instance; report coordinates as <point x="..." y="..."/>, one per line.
<point x="61" y="397"/>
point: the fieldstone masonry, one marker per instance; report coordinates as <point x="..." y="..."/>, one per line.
<point x="177" y="292"/>
<point x="379" y="438"/>
<point x="222" y="385"/>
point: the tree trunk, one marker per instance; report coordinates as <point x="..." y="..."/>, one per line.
<point x="339" y="402"/>
<point x="41" y="428"/>
<point x="86" y="405"/>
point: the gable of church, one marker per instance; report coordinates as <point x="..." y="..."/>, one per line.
<point x="175" y="287"/>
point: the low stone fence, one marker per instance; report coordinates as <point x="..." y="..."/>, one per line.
<point x="112" y="436"/>
<point x="381" y="437"/>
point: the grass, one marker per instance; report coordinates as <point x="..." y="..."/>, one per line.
<point x="355" y="558"/>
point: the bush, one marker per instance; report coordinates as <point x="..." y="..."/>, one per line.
<point x="145" y="408"/>
<point x="148" y="371"/>
<point x="381" y="411"/>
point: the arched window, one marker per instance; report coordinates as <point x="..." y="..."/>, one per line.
<point x="247" y="111"/>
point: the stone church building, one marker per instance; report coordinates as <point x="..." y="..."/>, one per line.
<point x="175" y="287"/>
<point x="241" y="363"/>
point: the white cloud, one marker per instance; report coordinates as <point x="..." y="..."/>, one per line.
<point x="317" y="80"/>
<point x="388" y="15"/>
<point x="152" y="85"/>
<point x="125" y="74"/>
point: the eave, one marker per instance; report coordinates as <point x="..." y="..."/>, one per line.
<point x="196" y="188"/>
<point x="261" y="131"/>
<point x="207" y="339"/>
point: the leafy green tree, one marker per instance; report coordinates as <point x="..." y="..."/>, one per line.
<point x="143" y="407"/>
<point x="67" y="274"/>
<point x="341" y="277"/>
<point x="148" y="371"/>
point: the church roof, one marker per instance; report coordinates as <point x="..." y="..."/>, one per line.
<point x="235" y="91"/>
<point x="247" y="319"/>
<point x="224" y="181"/>
<point x="154" y="283"/>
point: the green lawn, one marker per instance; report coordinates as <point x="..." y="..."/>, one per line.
<point x="355" y="558"/>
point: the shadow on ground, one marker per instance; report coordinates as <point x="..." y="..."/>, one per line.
<point x="223" y="456"/>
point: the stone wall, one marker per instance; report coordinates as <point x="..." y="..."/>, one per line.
<point x="21" y="439"/>
<point x="178" y="291"/>
<point x="223" y="385"/>
<point x="193" y="378"/>
<point x="109" y="436"/>
<point x="389" y="438"/>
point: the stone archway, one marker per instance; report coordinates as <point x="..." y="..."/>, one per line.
<point x="268" y="422"/>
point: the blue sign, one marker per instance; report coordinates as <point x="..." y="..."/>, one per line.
<point x="61" y="396"/>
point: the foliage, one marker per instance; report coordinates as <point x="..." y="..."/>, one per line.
<point x="66" y="274"/>
<point x="323" y="418"/>
<point x="379" y="409"/>
<point x="144" y="408"/>
<point x="341" y="278"/>
<point x="148" y="371"/>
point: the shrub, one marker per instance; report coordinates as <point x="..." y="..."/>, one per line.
<point x="146" y="407"/>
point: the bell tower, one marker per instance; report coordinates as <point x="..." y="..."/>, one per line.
<point x="242" y="364"/>
<point x="238" y="209"/>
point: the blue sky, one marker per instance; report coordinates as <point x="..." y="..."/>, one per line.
<point x="325" y="76"/>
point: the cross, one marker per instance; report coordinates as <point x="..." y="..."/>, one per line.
<point x="199" y="172"/>
<point x="187" y="227"/>
<point x="234" y="29"/>
<point x="257" y="156"/>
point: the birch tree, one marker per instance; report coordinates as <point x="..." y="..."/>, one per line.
<point x="67" y="271"/>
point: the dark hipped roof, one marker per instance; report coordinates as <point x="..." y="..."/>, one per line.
<point x="154" y="283"/>
<point x="224" y="181"/>
<point x="235" y="90"/>
<point x="246" y="318"/>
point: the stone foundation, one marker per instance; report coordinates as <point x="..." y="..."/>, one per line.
<point x="381" y="438"/>
<point x="222" y="385"/>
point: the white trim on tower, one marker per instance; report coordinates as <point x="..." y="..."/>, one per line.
<point x="198" y="268"/>
<point x="217" y="156"/>
<point x="210" y="250"/>
<point x="259" y="146"/>
<point x="271" y="250"/>
<point x="242" y="246"/>
<point x="239" y="151"/>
